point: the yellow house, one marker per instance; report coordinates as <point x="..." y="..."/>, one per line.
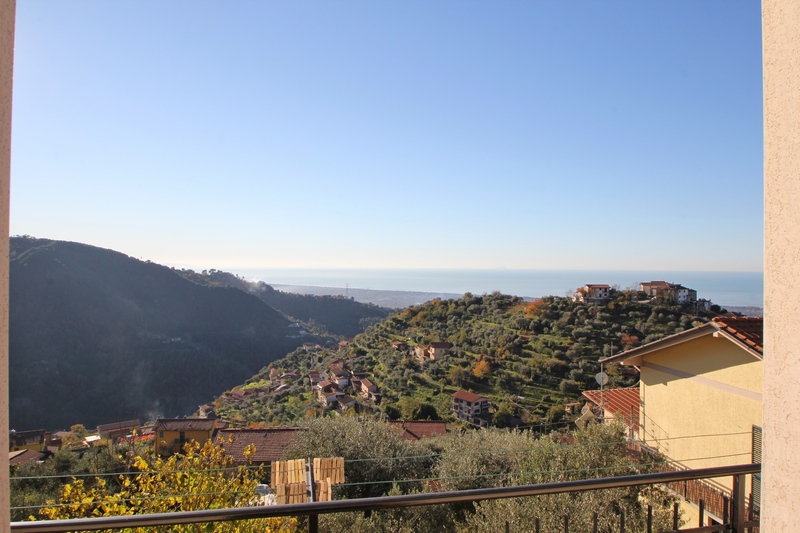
<point x="700" y="402"/>
<point x="33" y="440"/>
<point x="172" y="433"/>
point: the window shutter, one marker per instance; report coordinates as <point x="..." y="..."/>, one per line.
<point x="755" y="501"/>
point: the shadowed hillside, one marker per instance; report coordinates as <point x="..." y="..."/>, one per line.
<point x="97" y="336"/>
<point x="337" y="315"/>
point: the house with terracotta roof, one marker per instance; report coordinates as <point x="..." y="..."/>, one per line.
<point x="368" y="390"/>
<point x="470" y="407"/>
<point x="33" y="439"/>
<point x="268" y="444"/>
<point x="415" y="430"/>
<point x="616" y="404"/>
<point x="592" y="293"/>
<point x="669" y="291"/>
<point x="21" y="457"/>
<point x="700" y="402"/>
<point x="117" y="430"/>
<point x="173" y="433"/>
<point x="432" y="352"/>
<point x="346" y="402"/>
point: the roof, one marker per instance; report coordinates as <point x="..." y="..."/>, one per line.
<point x="598" y="286"/>
<point x="467" y="396"/>
<point x="20" y="457"/>
<point x="26" y="438"/>
<point x="127" y="424"/>
<point x="624" y="402"/>
<point x="746" y="332"/>
<point x="270" y="443"/>
<point x="184" y="424"/>
<point x="420" y="429"/>
<point x="445" y="345"/>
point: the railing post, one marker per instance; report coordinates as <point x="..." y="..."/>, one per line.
<point x="566" y="523"/>
<point x="536" y="525"/>
<point x="313" y="519"/>
<point x="675" y="516"/>
<point x="649" y="519"/>
<point x="702" y="512"/>
<point x="595" y="520"/>
<point x="738" y="503"/>
<point x="622" y="520"/>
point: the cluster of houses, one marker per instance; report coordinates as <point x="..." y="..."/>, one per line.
<point x="330" y="386"/>
<point x="654" y="290"/>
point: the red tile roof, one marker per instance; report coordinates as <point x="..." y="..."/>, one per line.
<point x="127" y="424"/>
<point x="420" y="429"/>
<point x="184" y="424"/>
<point x="624" y="402"/>
<point x="748" y="330"/>
<point x="270" y="443"/>
<point x="21" y="457"/>
<point x="467" y="396"/>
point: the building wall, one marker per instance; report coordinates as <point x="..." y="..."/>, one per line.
<point x="781" y="471"/>
<point x="170" y="437"/>
<point x="716" y="393"/>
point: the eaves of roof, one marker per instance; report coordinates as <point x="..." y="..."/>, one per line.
<point x="634" y="357"/>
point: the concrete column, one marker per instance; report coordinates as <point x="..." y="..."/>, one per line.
<point x="7" y="20"/>
<point x="781" y="470"/>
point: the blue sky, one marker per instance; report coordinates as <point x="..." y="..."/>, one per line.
<point x="440" y="134"/>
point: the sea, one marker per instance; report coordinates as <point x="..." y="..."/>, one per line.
<point x="722" y="288"/>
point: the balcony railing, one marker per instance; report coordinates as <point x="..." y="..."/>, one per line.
<point x="736" y="519"/>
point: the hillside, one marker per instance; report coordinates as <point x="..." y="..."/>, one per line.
<point x="97" y="336"/>
<point x="528" y="358"/>
<point x="336" y="315"/>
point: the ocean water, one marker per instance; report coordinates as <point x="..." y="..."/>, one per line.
<point x="723" y="288"/>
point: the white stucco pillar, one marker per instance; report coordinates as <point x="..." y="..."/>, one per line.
<point x="781" y="470"/>
<point x="7" y="19"/>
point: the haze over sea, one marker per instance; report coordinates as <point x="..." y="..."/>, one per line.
<point x="723" y="288"/>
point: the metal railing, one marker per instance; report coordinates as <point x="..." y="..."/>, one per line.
<point x="737" y="523"/>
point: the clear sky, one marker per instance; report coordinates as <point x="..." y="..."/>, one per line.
<point x="425" y="134"/>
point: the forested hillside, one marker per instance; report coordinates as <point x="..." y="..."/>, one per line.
<point x="528" y="358"/>
<point x="97" y="336"/>
<point x="336" y="315"/>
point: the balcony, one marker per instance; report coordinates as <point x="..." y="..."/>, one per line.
<point x="735" y="516"/>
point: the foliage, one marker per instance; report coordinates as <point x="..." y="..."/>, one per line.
<point x="375" y="453"/>
<point x="597" y="452"/>
<point x="202" y="477"/>
<point x="33" y="484"/>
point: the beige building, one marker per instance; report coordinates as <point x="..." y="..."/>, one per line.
<point x="172" y="434"/>
<point x="700" y="399"/>
<point x="592" y="293"/>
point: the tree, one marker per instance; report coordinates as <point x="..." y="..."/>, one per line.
<point x="457" y="375"/>
<point x="482" y="369"/>
<point x="74" y="440"/>
<point x="375" y="453"/>
<point x="202" y="477"/>
<point x="600" y="451"/>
